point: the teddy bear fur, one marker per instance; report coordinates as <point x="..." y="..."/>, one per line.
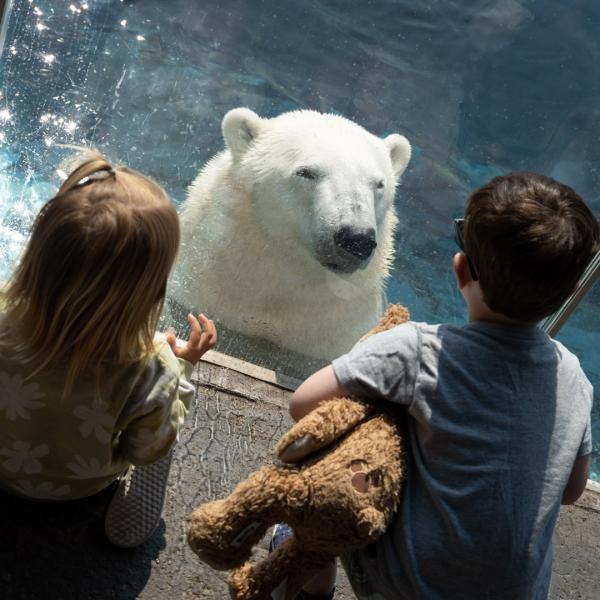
<point x="338" y="488"/>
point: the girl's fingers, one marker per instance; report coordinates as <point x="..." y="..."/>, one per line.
<point x="204" y="333"/>
<point x="210" y="331"/>
<point x="196" y="328"/>
<point x="209" y="327"/>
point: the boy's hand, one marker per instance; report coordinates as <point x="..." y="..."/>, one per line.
<point x="202" y="338"/>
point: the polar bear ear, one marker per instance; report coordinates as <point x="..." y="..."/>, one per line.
<point x="240" y="128"/>
<point x="400" y="151"/>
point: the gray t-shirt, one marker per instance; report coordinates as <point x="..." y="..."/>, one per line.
<point x="497" y="417"/>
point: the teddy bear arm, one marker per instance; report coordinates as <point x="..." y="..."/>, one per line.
<point x="319" y="428"/>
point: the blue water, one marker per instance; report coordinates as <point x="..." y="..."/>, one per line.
<point x="479" y="88"/>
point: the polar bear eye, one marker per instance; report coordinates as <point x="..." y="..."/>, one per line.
<point x="307" y="173"/>
<point x="380" y="184"/>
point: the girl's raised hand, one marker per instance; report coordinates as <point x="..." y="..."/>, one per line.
<point x="202" y="338"/>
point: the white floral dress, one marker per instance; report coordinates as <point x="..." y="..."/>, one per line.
<point x="55" y="448"/>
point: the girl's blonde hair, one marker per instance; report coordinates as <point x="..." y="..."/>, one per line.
<point x="91" y="283"/>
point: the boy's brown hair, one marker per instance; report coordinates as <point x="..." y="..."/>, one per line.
<point x="530" y="239"/>
<point x="91" y="283"/>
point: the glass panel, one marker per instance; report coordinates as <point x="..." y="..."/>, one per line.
<point x="478" y="88"/>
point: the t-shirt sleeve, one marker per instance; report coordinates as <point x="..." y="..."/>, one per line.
<point x="384" y="365"/>
<point x="157" y="410"/>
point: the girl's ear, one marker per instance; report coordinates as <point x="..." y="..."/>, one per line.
<point x="240" y="128"/>
<point x="461" y="270"/>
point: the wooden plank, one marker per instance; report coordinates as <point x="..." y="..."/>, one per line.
<point x="251" y="370"/>
<point x="234" y="382"/>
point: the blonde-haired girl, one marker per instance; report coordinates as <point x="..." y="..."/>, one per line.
<point x="85" y="389"/>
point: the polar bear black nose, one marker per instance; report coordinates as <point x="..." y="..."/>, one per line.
<point x="359" y="243"/>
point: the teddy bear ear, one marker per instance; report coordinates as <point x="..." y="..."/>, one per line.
<point x="400" y="151"/>
<point x="240" y="128"/>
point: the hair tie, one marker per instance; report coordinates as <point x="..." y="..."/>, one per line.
<point x="101" y="173"/>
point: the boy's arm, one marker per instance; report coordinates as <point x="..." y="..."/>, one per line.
<point x="320" y="386"/>
<point x="577" y="480"/>
<point x="383" y="366"/>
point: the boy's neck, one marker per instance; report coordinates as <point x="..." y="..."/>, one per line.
<point x="481" y="313"/>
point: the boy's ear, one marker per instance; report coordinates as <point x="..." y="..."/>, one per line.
<point x="461" y="270"/>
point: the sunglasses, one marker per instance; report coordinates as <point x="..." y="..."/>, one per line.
<point x="459" y="238"/>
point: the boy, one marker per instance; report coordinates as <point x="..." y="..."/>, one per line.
<point x="499" y="428"/>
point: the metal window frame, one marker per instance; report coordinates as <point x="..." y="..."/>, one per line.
<point x="554" y="322"/>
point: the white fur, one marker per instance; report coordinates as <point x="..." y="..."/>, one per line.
<point x="254" y="231"/>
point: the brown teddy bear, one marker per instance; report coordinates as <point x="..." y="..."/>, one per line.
<point x="339" y="494"/>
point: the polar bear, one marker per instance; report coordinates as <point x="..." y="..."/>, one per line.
<point x="287" y="235"/>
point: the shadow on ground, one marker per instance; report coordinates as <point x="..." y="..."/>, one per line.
<point x="59" y="551"/>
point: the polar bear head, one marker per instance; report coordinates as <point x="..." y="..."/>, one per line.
<point x="318" y="182"/>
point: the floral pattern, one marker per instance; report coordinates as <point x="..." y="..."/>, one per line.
<point x="24" y="458"/>
<point x="147" y="441"/>
<point x="95" y="419"/>
<point x="17" y="398"/>
<point x="56" y="447"/>
<point x="43" y="490"/>
<point x="92" y="469"/>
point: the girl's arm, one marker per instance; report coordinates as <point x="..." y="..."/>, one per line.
<point x="154" y="414"/>
<point x="320" y="386"/>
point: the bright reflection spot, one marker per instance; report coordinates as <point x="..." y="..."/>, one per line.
<point x="2" y="136"/>
<point x="13" y="50"/>
<point x="70" y="126"/>
<point x="5" y="115"/>
<point x="46" y="117"/>
<point x="74" y="9"/>
<point x="41" y="27"/>
<point x="85" y="6"/>
<point x="123" y="22"/>
<point x="48" y="58"/>
<point x="140" y="38"/>
<point x="48" y="141"/>
<point x="37" y="11"/>
<point x="20" y="208"/>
